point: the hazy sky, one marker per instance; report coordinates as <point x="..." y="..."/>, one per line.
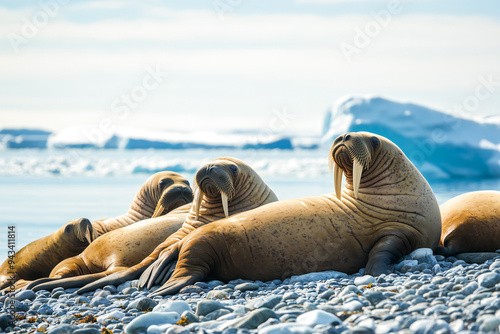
<point x="234" y="64"/>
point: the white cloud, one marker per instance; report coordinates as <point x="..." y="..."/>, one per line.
<point x="429" y="57"/>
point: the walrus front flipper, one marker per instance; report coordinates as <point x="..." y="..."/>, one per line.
<point x="385" y="253"/>
<point x="160" y="271"/>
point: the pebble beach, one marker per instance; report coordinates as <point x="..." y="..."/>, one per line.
<point x="426" y="294"/>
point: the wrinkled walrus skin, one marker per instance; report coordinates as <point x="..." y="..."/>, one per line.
<point x="37" y="259"/>
<point x="226" y="186"/>
<point x="114" y="251"/>
<point x="161" y="193"/>
<point x="386" y="211"/>
<point x="470" y="223"/>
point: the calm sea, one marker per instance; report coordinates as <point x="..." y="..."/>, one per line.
<point x="37" y="204"/>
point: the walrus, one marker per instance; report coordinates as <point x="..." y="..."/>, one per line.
<point x="161" y="193"/>
<point x="225" y="186"/>
<point x="386" y="211"/>
<point x="114" y="251"/>
<point x="470" y="223"/>
<point x="40" y="256"/>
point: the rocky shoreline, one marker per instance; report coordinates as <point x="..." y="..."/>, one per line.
<point x="427" y="294"/>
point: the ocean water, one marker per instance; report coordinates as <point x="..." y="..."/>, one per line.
<point x="42" y="190"/>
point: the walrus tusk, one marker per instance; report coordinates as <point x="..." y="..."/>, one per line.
<point x="357" y="170"/>
<point x="337" y="181"/>
<point x="158" y="211"/>
<point x="224" y="203"/>
<point x="197" y="205"/>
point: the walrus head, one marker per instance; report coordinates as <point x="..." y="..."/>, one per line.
<point x="228" y="186"/>
<point x="81" y="229"/>
<point x="353" y="153"/>
<point x="173" y="190"/>
<point x="214" y="180"/>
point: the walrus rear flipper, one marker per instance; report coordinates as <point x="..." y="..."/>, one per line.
<point x="116" y="278"/>
<point x="160" y="271"/>
<point x="31" y="285"/>
<point x="73" y="282"/>
<point x="175" y="285"/>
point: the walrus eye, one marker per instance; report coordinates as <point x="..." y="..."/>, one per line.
<point x="163" y="183"/>
<point x="67" y="229"/>
<point x="233" y="169"/>
<point x="375" y="142"/>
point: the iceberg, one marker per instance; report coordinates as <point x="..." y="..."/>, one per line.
<point x="438" y="143"/>
<point x="23" y="138"/>
<point x="79" y="137"/>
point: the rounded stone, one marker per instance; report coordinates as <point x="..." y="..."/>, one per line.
<point x="317" y="317"/>
<point x="178" y="306"/>
<point x="140" y="324"/>
<point x="365" y="280"/>
<point x="488" y="280"/>
<point x="26" y="294"/>
<point x="206" y="306"/>
<point x="246" y="287"/>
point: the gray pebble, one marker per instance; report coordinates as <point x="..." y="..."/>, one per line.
<point x="246" y="287"/>
<point x="488" y="280"/>
<point x="87" y="331"/>
<point x="97" y="301"/>
<point x="476" y="257"/>
<point x="254" y="319"/>
<point x="142" y="304"/>
<point x="269" y="302"/>
<point x="214" y="315"/>
<point x="62" y="329"/>
<point x="5" y="321"/>
<point x="206" y="306"/>
<point x="129" y="291"/>
<point x="26" y="294"/>
<point x="191" y="289"/>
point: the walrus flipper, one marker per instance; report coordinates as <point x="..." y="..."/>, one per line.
<point x="32" y="284"/>
<point x="175" y="285"/>
<point x="73" y="282"/>
<point x="159" y="271"/>
<point x="385" y="253"/>
<point x="115" y="278"/>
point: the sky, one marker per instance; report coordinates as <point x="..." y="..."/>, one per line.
<point x="228" y="65"/>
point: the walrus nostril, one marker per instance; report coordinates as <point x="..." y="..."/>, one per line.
<point x="347" y="137"/>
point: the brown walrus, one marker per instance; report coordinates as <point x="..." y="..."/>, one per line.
<point x="162" y="192"/>
<point x="40" y="256"/>
<point x="387" y="211"/>
<point x="114" y="251"/>
<point x="470" y="223"/>
<point x="226" y="186"/>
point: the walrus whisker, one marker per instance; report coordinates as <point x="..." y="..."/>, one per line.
<point x="337" y="180"/>
<point x="357" y="170"/>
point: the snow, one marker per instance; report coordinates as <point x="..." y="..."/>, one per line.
<point x="439" y="144"/>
